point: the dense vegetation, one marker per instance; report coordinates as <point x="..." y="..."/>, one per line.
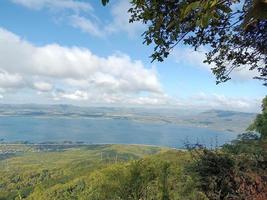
<point x="237" y="170"/>
<point x="99" y="172"/>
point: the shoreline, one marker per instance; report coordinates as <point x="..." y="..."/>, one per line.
<point x="86" y="144"/>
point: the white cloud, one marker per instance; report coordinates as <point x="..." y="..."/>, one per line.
<point x="69" y="74"/>
<point x="55" y="4"/>
<point x="121" y="18"/>
<point x="112" y="98"/>
<point x="43" y="86"/>
<point x="80" y="14"/>
<point x="219" y="101"/>
<point x="243" y="74"/>
<point x="8" y="80"/>
<point x="1" y="93"/>
<point x="150" y="100"/>
<point x="74" y="68"/>
<point x="190" y="57"/>
<point x="216" y="100"/>
<point x="76" y="95"/>
<point x="119" y="22"/>
<point x="187" y="56"/>
<point x="86" y="25"/>
<point x="80" y="83"/>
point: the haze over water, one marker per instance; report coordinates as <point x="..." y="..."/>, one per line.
<point x="102" y="130"/>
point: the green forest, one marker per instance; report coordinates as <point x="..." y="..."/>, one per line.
<point x="98" y="172"/>
<point x="101" y="172"/>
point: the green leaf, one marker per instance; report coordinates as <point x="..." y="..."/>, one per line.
<point x="105" y="2"/>
<point x="214" y="2"/>
<point x="190" y="7"/>
<point x="205" y="20"/>
<point x="225" y="8"/>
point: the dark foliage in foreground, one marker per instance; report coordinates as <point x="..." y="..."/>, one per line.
<point x="237" y="170"/>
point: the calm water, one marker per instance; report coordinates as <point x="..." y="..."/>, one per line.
<point x="106" y="131"/>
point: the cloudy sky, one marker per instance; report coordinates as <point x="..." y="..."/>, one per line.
<point x="79" y="52"/>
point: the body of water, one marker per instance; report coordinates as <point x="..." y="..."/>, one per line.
<point x="99" y="130"/>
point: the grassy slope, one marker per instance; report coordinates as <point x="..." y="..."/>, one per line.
<point x="44" y="175"/>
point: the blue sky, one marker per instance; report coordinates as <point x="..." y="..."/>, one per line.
<point x="79" y="52"/>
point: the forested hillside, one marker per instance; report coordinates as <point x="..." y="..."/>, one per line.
<point x="99" y="172"/>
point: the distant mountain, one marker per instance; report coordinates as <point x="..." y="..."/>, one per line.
<point x="231" y="121"/>
<point x="225" y="113"/>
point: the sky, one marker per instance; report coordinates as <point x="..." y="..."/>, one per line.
<point x="79" y="52"/>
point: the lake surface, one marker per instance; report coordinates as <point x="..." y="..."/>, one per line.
<point x="99" y="130"/>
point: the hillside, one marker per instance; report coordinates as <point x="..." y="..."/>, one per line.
<point x="95" y="172"/>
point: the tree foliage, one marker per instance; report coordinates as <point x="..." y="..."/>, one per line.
<point x="82" y="173"/>
<point x="260" y="123"/>
<point x="233" y="32"/>
<point x="224" y="175"/>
